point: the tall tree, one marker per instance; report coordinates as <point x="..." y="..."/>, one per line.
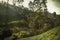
<point x="31" y="6"/>
<point x="38" y="5"/>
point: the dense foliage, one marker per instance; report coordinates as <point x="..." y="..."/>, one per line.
<point x="18" y="21"/>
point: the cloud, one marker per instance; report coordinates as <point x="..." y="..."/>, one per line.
<point x="54" y="5"/>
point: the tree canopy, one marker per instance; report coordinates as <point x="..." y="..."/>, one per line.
<point x="38" y="5"/>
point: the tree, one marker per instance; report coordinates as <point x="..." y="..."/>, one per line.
<point x="31" y="6"/>
<point x="38" y="5"/>
<point x="2" y="1"/>
<point x="20" y="2"/>
<point x="14" y="2"/>
<point x="17" y="1"/>
<point x="54" y="14"/>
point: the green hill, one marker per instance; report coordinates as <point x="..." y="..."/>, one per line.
<point x="11" y="12"/>
<point x="25" y="23"/>
<point x="53" y="34"/>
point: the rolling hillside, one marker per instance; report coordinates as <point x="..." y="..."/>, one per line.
<point x="53" y="34"/>
<point x="25" y="23"/>
<point x="12" y="12"/>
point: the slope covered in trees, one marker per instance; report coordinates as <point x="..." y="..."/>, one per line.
<point x="23" y="22"/>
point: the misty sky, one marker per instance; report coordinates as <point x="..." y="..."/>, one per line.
<point x="52" y="5"/>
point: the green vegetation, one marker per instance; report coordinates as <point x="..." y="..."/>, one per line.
<point x="20" y="22"/>
<point x="53" y="34"/>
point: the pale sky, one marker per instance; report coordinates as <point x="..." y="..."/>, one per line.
<point x="53" y="5"/>
<point x="50" y="5"/>
<point x="25" y="2"/>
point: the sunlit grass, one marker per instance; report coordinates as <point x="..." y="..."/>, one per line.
<point x="17" y="21"/>
<point x="53" y="34"/>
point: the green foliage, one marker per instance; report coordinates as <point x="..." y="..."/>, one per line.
<point x="53" y="34"/>
<point x="25" y="23"/>
<point x="38" y="5"/>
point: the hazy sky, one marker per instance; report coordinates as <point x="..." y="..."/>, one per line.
<point x="52" y="5"/>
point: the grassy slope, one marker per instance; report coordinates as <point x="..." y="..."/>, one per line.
<point x="53" y="34"/>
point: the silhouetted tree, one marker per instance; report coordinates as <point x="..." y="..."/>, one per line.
<point x="2" y="1"/>
<point x="38" y="5"/>
<point x="54" y="14"/>
<point x="14" y="2"/>
<point x="20" y="1"/>
<point x="17" y="1"/>
<point x="31" y="6"/>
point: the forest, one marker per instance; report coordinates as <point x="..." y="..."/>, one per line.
<point x="18" y="22"/>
